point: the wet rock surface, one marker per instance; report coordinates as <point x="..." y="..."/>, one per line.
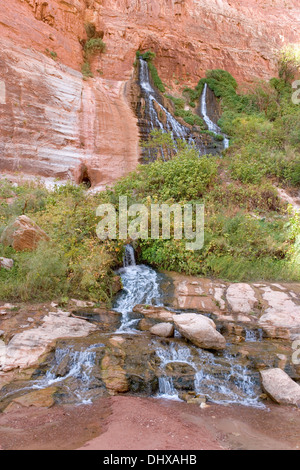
<point x="102" y="362"/>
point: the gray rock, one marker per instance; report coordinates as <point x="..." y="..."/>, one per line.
<point x="6" y="263"/>
<point x="280" y="387"/>
<point x="200" y="330"/>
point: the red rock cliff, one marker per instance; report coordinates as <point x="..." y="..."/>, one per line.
<point x="54" y="124"/>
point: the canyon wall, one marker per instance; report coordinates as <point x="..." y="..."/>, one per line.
<point x="55" y="124"/>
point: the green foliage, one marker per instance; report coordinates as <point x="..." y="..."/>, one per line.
<point x="188" y="116"/>
<point x="194" y="94"/>
<point x="94" y="46"/>
<point x="148" y="55"/>
<point x="288" y="62"/>
<point x="86" y="70"/>
<point x="186" y="177"/>
<point x="264" y="126"/>
<point x="74" y="262"/>
<point x="155" y="77"/>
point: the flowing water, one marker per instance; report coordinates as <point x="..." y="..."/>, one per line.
<point x="75" y="366"/>
<point x="154" y="111"/>
<point x="212" y="127"/>
<point x="220" y="378"/>
<point x="158" y="117"/>
<point x="141" y="285"/>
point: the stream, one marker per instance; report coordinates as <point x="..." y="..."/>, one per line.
<point x="167" y="368"/>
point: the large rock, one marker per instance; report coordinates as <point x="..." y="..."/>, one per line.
<point x="200" y="330"/>
<point x="196" y="294"/>
<point x="281" y="319"/>
<point x="38" y="398"/>
<point x="6" y="263"/>
<point x="25" y="349"/>
<point x="165" y="330"/>
<point x="112" y="367"/>
<point x="71" y="129"/>
<point x="280" y="387"/>
<point x="157" y="313"/>
<point x="23" y="234"/>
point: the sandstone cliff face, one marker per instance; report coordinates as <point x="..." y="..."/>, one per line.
<point x="54" y="124"/>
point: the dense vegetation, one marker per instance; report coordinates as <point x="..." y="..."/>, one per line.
<point x="74" y="262"/>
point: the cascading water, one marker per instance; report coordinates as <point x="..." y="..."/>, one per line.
<point x="141" y="285"/>
<point x="212" y="127"/>
<point x="129" y="257"/>
<point x="220" y="378"/>
<point x="73" y="371"/>
<point x="152" y="104"/>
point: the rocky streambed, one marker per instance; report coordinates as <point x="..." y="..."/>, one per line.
<point x="173" y="337"/>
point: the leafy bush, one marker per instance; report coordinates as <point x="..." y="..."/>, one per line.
<point x="74" y="262"/>
<point x="86" y="70"/>
<point x="94" y="46"/>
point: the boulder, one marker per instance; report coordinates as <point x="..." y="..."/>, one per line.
<point x="6" y="263"/>
<point x="112" y="371"/>
<point x="25" y="349"/>
<point x="23" y="234"/>
<point x="165" y="330"/>
<point x="280" y="387"/>
<point x="200" y="330"/>
<point x="38" y="398"/>
<point x="158" y="313"/>
<point x="281" y="319"/>
<point x="197" y="294"/>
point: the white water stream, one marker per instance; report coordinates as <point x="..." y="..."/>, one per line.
<point x="212" y="127"/>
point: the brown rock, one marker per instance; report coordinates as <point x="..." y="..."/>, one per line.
<point x="282" y="316"/>
<point x="40" y="399"/>
<point x="196" y="294"/>
<point x="157" y="313"/>
<point x="200" y="330"/>
<point x="25" y="349"/>
<point x="113" y="374"/>
<point x="280" y="387"/>
<point x="23" y="234"/>
<point x="56" y="125"/>
<point x="241" y="298"/>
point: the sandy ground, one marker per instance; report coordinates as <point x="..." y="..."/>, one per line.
<point x="131" y="423"/>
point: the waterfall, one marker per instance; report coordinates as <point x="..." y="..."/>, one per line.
<point x="171" y="125"/>
<point x="141" y="285"/>
<point x="129" y="256"/>
<point x="212" y="127"/>
<point x="220" y="379"/>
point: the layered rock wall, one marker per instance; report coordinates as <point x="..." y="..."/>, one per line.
<point x="55" y="124"/>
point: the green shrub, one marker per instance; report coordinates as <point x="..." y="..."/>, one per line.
<point x="86" y="70"/>
<point x="94" y="46"/>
